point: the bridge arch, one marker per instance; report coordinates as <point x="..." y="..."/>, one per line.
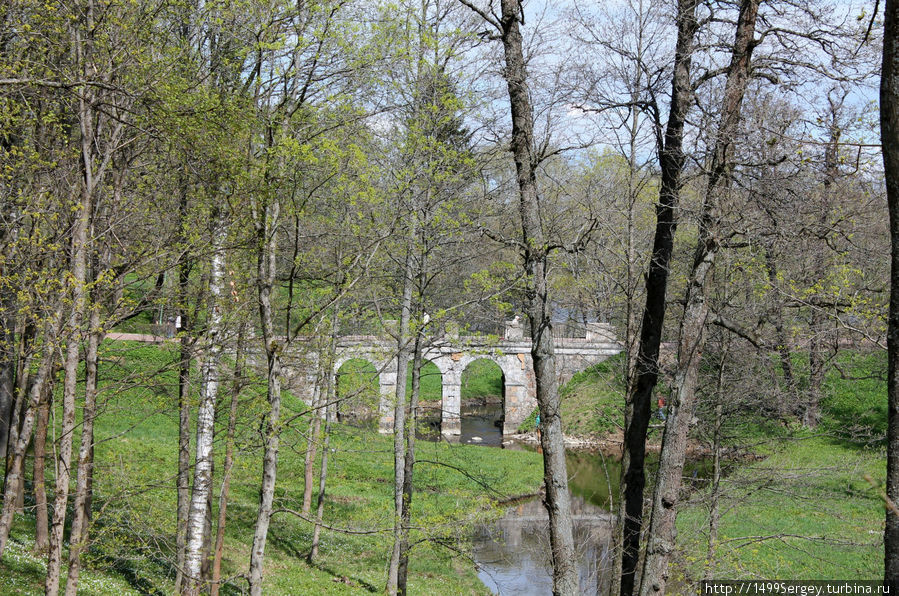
<point x="357" y="387"/>
<point x="483" y="391"/>
<point x="452" y="354"/>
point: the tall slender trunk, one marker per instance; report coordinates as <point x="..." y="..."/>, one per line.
<point x="322" y="479"/>
<point x="184" y="361"/>
<point x="409" y="465"/>
<point x="206" y="555"/>
<point x="715" y="496"/>
<point x="399" y="417"/>
<point x="197" y="514"/>
<point x="889" y="134"/>
<point x="535" y="262"/>
<point x="8" y="316"/>
<point x="632" y="325"/>
<point x="817" y="359"/>
<point x="817" y="348"/>
<point x="23" y="436"/>
<point x="79" y="299"/>
<point x="315" y="423"/>
<point x="78" y="535"/>
<point x="236" y="388"/>
<point x="22" y="392"/>
<point x="330" y="410"/>
<point x="266" y="232"/>
<point x="691" y="341"/>
<point x="7" y="366"/>
<point x="42" y="521"/>
<point x="783" y="342"/>
<point x="646" y="367"/>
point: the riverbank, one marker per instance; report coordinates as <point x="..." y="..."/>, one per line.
<point x="793" y="503"/>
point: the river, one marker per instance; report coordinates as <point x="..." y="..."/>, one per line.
<point x="513" y="554"/>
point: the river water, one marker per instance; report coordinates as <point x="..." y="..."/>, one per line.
<point x="513" y="554"/>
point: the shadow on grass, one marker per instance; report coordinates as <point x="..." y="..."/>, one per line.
<point x="288" y="545"/>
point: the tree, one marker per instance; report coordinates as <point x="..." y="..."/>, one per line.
<point x="646" y="366"/>
<point x="535" y="251"/>
<point x="691" y="340"/>
<point x="889" y="131"/>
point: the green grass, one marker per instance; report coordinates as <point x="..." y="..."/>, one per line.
<point x="482" y="378"/>
<point x="135" y="498"/>
<point x="431" y="388"/>
<point x="592" y="401"/>
<point x="854" y="405"/>
<point x="805" y="511"/>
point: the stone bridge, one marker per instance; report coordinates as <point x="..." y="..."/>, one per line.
<point x="451" y="354"/>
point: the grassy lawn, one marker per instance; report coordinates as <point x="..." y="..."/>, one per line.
<point x="135" y="499"/>
<point x="805" y="511"/>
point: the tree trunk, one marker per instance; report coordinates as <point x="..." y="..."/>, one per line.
<point x="535" y="262"/>
<point x="404" y="348"/>
<point x="23" y="437"/>
<point x="266" y="238"/>
<point x="78" y="534"/>
<point x="817" y="358"/>
<point x="330" y="409"/>
<point x="817" y="349"/>
<point x="236" y="388"/>
<point x="408" y="467"/>
<point x="691" y="342"/>
<point x="783" y="343"/>
<point x="184" y="362"/>
<point x="73" y="331"/>
<point x="206" y="557"/>
<point x="24" y="381"/>
<point x="646" y="367"/>
<point x="889" y="133"/>
<point x="42" y="522"/>
<point x="715" y="496"/>
<point x="315" y="423"/>
<point x="196" y="518"/>
<point x="7" y="367"/>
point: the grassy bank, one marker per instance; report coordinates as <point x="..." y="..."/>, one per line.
<point x="135" y="499"/>
<point x="805" y="510"/>
<point x="592" y="402"/>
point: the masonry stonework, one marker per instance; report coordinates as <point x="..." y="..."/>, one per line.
<point x="453" y="353"/>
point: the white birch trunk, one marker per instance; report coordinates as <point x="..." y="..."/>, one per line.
<point x="196" y="518"/>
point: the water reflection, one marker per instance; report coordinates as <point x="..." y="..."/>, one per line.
<point x="482" y="424"/>
<point x="513" y="555"/>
